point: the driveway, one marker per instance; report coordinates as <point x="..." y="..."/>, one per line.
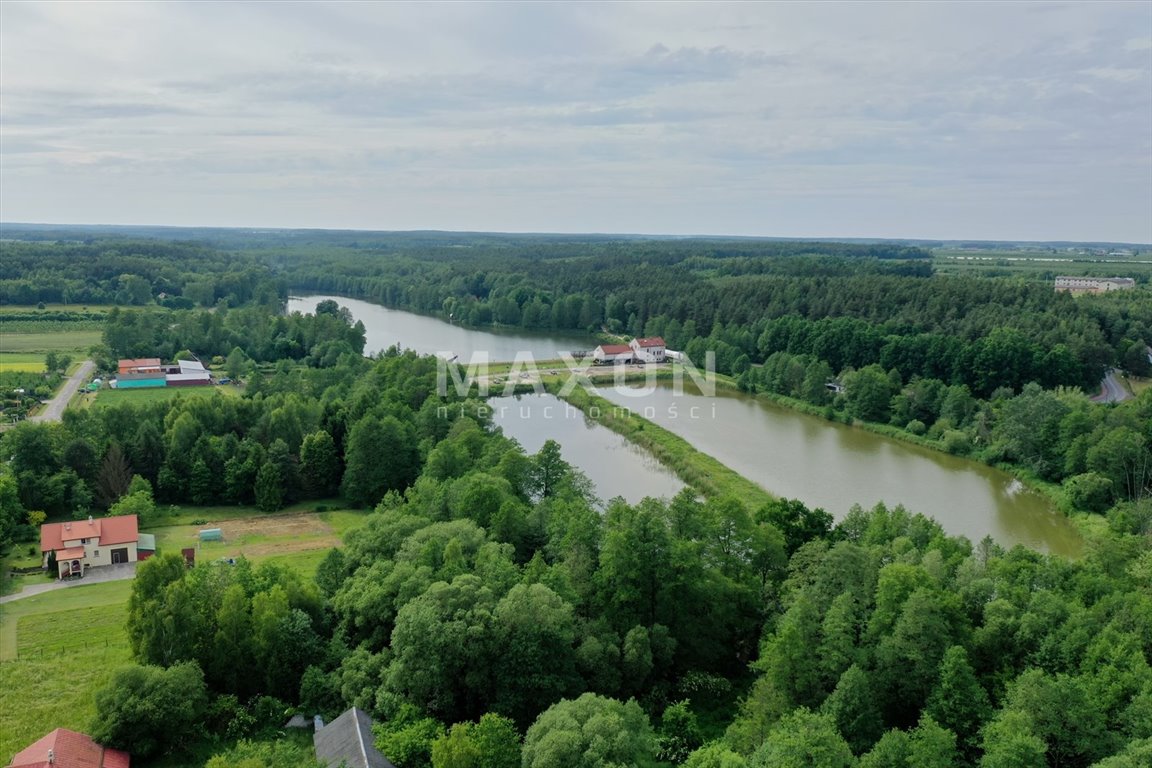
<point x="95" y="576"/>
<point x="54" y="410"/>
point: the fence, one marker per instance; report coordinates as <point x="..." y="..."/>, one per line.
<point x="54" y="650"/>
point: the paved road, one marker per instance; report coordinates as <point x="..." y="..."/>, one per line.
<point x="94" y="576"/>
<point x="54" y="410"/>
<point x="1112" y="390"/>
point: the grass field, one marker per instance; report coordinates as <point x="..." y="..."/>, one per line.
<point x="21" y="361"/>
<point x="56" y="650"/>
<point x="64" y="341"/>
<point x="106" y="398"/>
<point x="298" y="539"/>
<point x="26" y="351"/>
<point x="1032" y="264"/>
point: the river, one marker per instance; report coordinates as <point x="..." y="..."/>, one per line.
<point x="834" y="466"/>
<point x="789" y="453"/>
<point x="431" y="336"/>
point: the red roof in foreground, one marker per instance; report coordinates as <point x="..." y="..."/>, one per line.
<point x="121" y="529"/>
<point x="652" y="341"/>
<point x="69" y="750"/>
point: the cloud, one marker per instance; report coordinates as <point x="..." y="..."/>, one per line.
<point x="525" y="116"/>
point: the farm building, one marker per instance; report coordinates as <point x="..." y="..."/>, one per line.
<point x="649" y="350"/>
<point x="138" y="380"/>
<point x="145" y="546"/>
<point x="149" y="372"/>
<point x="188" y="373"/>
<point x="1093" y="284"/>
<point x="68" y="749"/>
<point x="348" y="741"/>
<point x="90" y="543"/>
<point x="140" y="365"/>
<point x="612" y="353"/>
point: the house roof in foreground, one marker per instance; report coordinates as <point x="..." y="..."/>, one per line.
<point x="349" y="739"/>
<point x="651" y="341"/>
<point x="69" y="750"/>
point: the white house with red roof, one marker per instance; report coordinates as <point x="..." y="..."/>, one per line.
<point x="82" y="544"/>
<point x="649" y="350"/>
<point x="68" y="749"/>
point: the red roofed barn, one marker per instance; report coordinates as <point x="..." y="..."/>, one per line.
<point x="68" y="749"/>
<point x="82" y="544"/>
<point x="612" y="353"/>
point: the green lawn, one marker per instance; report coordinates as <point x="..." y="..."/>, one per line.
<point x="56" y="649"/>
<point x="111" y="397"/>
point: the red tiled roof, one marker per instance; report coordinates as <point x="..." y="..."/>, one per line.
<point x="119" y="530"/>
<point x="111" y="530"/>
<point x="72" y="553"/>
<point x="141" y="362"/>
<point x="69" y="750"/>
<point x="615" y="349"/>
<point x="654" y="341"/>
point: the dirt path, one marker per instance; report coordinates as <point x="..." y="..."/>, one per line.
<point x="54" y="410"/>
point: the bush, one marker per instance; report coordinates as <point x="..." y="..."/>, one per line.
<point x="956" y="442"/>
<point x="1090" y="491"/>
<point x="149" y="710"/>
<point x="916" y="427"/>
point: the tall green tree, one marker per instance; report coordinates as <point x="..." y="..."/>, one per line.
<point x="380" y="456"/>
<point x="589" y="732"/>
<point x="803" y="739"/>
<point x="319" y="465"/>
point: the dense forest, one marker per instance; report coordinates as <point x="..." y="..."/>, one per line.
<point x="492" y="611"/>
<point x="492" y="605"/>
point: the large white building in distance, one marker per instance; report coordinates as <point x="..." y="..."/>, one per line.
<point x="1094" y="284"/>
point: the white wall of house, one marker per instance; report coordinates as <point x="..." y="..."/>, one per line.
<point x="647" y="354"/>
<point x="96" y="554"/>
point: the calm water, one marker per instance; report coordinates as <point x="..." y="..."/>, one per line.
<point x="834" y="466"/>
<point x="791" y="454"/>
<point x="430" y="336"/>
<point x="615" y="466"/>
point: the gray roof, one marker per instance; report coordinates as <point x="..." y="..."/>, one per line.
<point x="348" y="739"/>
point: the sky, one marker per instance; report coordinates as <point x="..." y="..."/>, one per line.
<point x="995" y="120"/>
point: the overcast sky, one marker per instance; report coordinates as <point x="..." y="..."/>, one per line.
<point x="976" y="120"/>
